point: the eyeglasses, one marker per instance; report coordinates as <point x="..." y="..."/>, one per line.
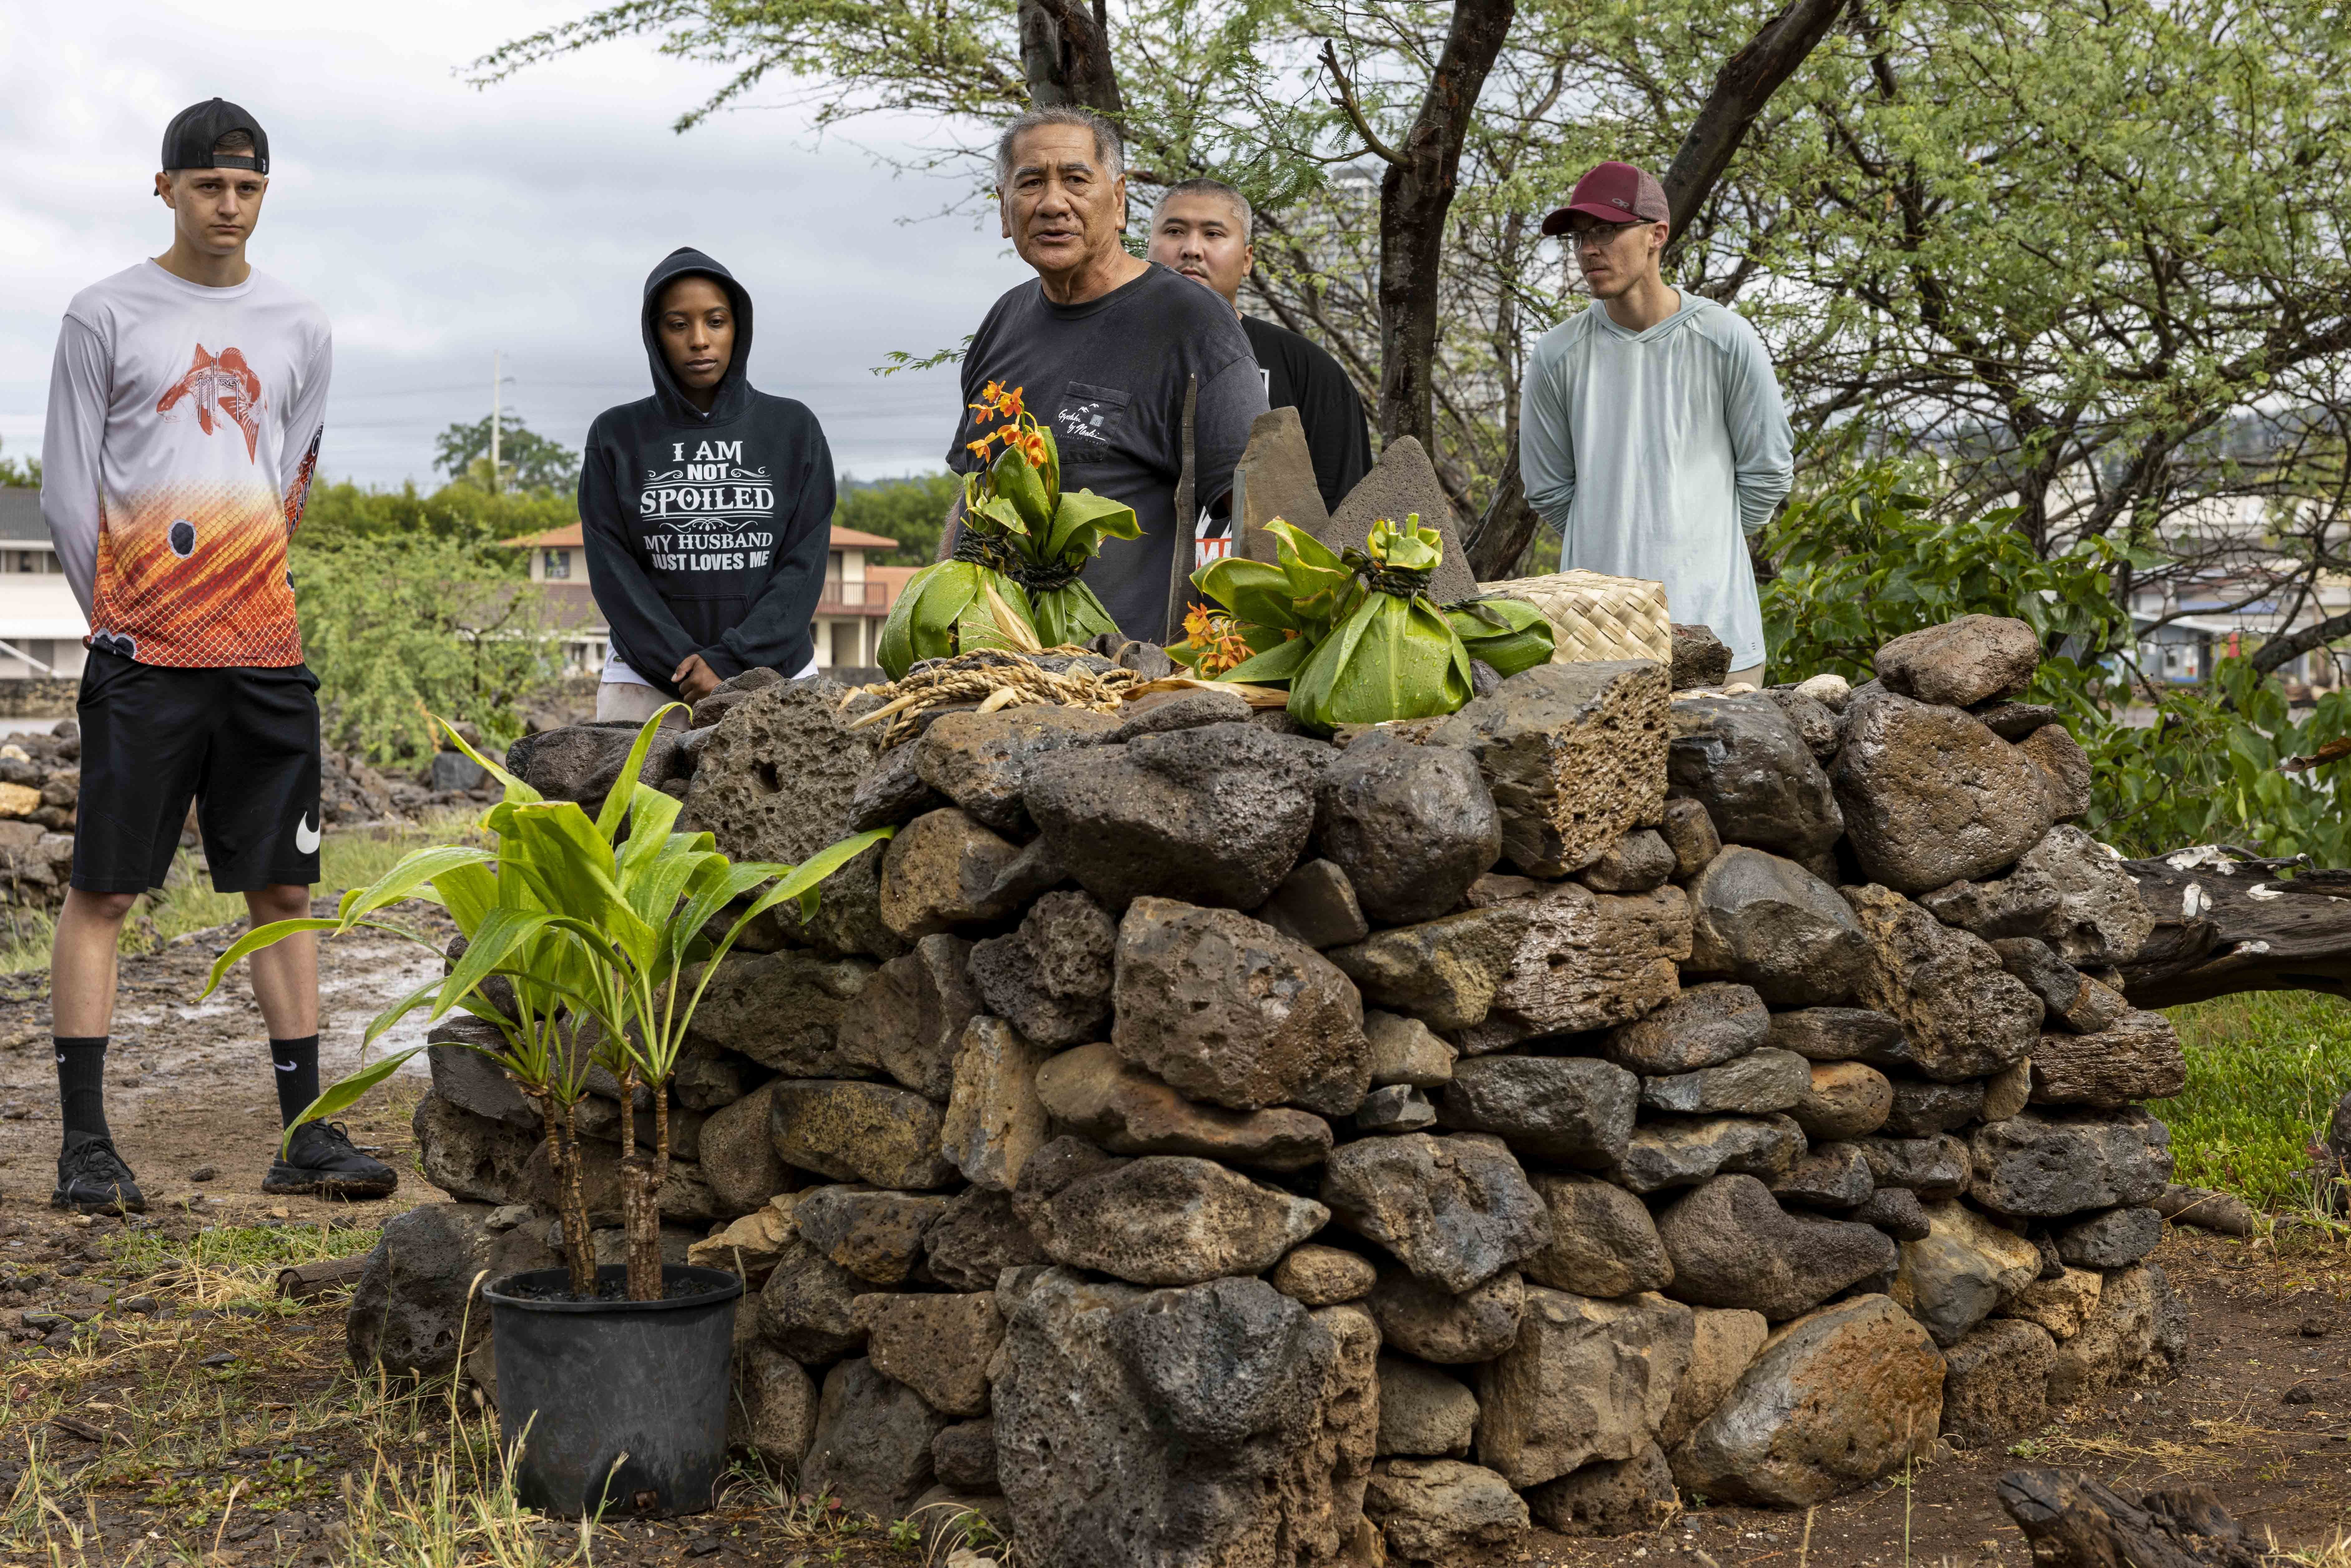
<point x="1596" y="236"/>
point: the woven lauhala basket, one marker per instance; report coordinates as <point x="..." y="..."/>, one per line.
<point x="1596" y="617"/>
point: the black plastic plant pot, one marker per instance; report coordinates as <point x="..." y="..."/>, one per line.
<point x="582" y="1384"/>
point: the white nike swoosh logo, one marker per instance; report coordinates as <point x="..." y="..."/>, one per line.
<point x="306" y="837"/>
<point x="283" y="1066"/>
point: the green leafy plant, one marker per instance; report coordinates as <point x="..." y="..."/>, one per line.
<point x="1391" y="653"/>
<point x="586" y="945"/>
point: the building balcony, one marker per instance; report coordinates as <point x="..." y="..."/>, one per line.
<point x="868" y="598"/>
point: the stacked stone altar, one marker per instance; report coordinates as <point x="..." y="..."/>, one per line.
<point x="1195" y="1142"/>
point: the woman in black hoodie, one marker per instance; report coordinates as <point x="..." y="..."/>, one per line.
<point x="706" y="508"/>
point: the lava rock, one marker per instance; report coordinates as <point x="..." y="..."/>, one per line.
<point x="1636" y="863"/>
<point x="1603" y="1242"/>
<point x="1320" y="1276"/>
<point x="995" y="1119"/>
<point x="853" y="1131"/>
<point x="774" y="1406"/>
<point x="872" y="1448"/>
<point x="2069" y="999"/>
<point x="1962" y="1015"/>
<point x="1213" y="816"/>
<point x="1833" y="1175"/>
<point x="1689" y="832"/>
<point x="1609" y="1497"/>
<point x="807" y="1307"/>
<point x="1997" y="1387"/>
<point x="783" y="1010"/>
<point x="876" y="1235"/>
<point x="2047" y="1164"/>
<point x="1162" y="1219"/>
<point x="1764" y="1080"/>
<point x="1934" y="1169"/>
<point x="1839" y="1034"/>
<point x="893" y="793"/>
<point x="909" y="1019"/>
<point x="980" y="760"/>
<point x="1841" y="1100"/>
<point x="2060" y="1304"/>
<point x="2114" y="1239"/>
<point x="1748" y="766"/>
<point x="1932" y="797"/>
<point x="1585" y="1380"/>
<point x="1723" y="1344"/>
<point x="940" y="871"/>
<point x="1969" y="659"/>
<point x="938" y="1345"/>
<point x="1454" y="1211"/>
<point x="1434" y="1325"/>
<point x="977" y="1239"/>
<point x="1700" y="658"/>
<point x="1928" y="1109"/>
<point x="964" y="1455"/>
<point x="1316" y="905"/>
<point x="1412" y="826"/>
<point x="471" y="1157"/>
<point x="412" y="1302"/>
<point x="2117" y="1338"/>
<point x="1951" y="1278"/>
<point x="1815" y="721"/>
<point x="1733" y="1246"/>
<point x="1897" y="1212"/>
<point x="1682" y="1151"/>
<point x="1574" y="1110"/>
<point x="1705" y="1026"/>
<point x="1226" y="1008"/>
<point x="2065" y="771"/>
<point x="1771" y="925"/>
<point x="1423" y="1412"/>
<point x="2100" y="919"/>
<point x="1399" y="1108"/>
<point x="1093" y="1091"/>
<point x="1407" y="1050"/>
<point x="1051" y="978"/>
<point x="1429" y="1510"/>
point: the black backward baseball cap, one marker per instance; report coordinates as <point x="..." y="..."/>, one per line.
<point x="189" y="140"/>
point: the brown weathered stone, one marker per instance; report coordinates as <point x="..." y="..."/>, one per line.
<point x="1585" y="1380"/>
<point x="859" y="1131"/>
<point x="1433" y="1323"/>
<point x="1603" y="1242"/>
<point x="1689" y="832"/>
<point x="1844" y="1100"/>
<point x="1998" y="1386"/>
<point x="1771" y="923"/>
<point x="1963" y="1014"/>
<point x="1969" y="658"/>
<point x="2064" y="770"/>
<point x="783" y="1010"/>
<point x="1093" y="1090"/>
<point x="940" y="871"/>
<point x="995" y="1119"/>
<point x="980" y="760"/>
<point x="1162" y="1219"/>
<point x="2138" y="1057"/>
<point x="1320" y="1276"/>
<point x="1932" y="797"/>
<point x="938" y="1345"/>
<point x="909" y="1019"/>
<point x="1454" y="1211"/>
<point x="1963" y="1268"/>
<point x="1705" y="1026"/>
<point x="1723" y="1344"/>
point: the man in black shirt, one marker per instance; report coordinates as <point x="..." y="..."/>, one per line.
<point x="1201" y="229"/>
<point x="1102" y="347"/>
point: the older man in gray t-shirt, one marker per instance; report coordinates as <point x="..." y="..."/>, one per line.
<point x="1102" y="347"/>
<point x="1651" y="432"/>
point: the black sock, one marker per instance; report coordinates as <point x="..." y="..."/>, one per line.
<point x="297" y="1062"/>
<point x="81" y="1087"/>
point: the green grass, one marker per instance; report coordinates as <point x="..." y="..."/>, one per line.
<point x="2264" y="1071"/>
<point x="187" y="903"/>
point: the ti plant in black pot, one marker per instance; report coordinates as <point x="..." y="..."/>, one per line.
<point x="613" y="1382"/>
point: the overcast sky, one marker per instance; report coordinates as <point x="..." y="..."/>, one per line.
<point x="437" y="223"/>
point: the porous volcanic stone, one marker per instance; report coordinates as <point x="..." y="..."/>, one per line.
<point x="783" y="1010"/>
<point x="1896" y="1211"/>
<point x="1424" y="1412"/>
<point x="876" y="1235"/>
<point x="1682" y="1151"/>
<point x="1163" y="711"/>
<point x="1962" y="1015"/>
<point x="938" y="1345"/>
<point x="1689" y="832"/>
<point x="1733" y="1246"/>
<point x="2070" y="999"/>
<point x="1814" y="720"/>
<point x="964" y="1455"/>
<point x="1705" y="1026"/>
<point x="1216" y="815"/>
<point x="1723" y="1342"/>
<point x="774" y="1408"/>
<point x="1407" y="1050"/>
<point x="581" y="761"/>
<point x="2060" y="1305"/>
<point x="2065" y="770"/>
<point x="1093" y="1091"/>
<point x="1841" y="1100"/>
<point x="941" y="871"/>
<point x="1748" y="765"/>
<point x="1835" y="1399"/>
<point x="980" y="760"/>
<point x="872" y="1443"/>
<point x="471" y="1157"/>
<point x="1833" y="1175"/>
<point x="1412" y="826"/>
<point x="910" y="1018"/>
<point x="2114" y="1239"/>
<point x="2136" y="1056"/>
<point x="994" y="1120"/>
<point x="807" y="1307"/>
<point x="1839" y="1034"/>
<point x="1228" y="1009"/>
<point x="1316" y="905"/>
<point x="2007" y="1092"/>
<point x="1430" y="1510"/>
<point x="1135" y="1426"/>
<point x="1608" y="1497"/>
<point x="1603" y="1242"/>
<point x="1573" y="754"/>
<point x="1965" y="1266"/>
<point x="1932" y="797"/>
<point x="1636" y="863"/>
<point x="1051" y="978"/>
<point x="1322" y="1276"/>
<point x="1934" y="1169"/>
<point x="859" y="1131"/>
<point x="2100" y="919"/>
<point x="1764" y="1080"/>
<point x="1924" y="1109"/>
<point x="1771" y="925"/>
<point x="1454" y="1211"/>
<point x="2046" y="1164"/>
<point x="1162" y="1220"/>
<point x="1971" y="659"/>
<point x="1585" y="1380"/>
<point x="893" y="793"/>
<point x="1434" y="1324"/>
<point x="1576" y="1110"/>
<point x="2117" y="1336"/>
<point x="1700" y="658"/>
<point x="1569" y="959"/>
<point x="978" y="1238"/>
<point x="413" y="1299"/>
<point x="1998" y="1386"/>
<point x="1398" y="1108"/>
<point x="2022" y="905"/>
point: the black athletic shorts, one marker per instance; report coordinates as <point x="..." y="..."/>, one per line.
<point x="243" y="743"/>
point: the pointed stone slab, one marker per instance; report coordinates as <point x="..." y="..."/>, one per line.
<point x="1401" y="482"/>
<point x="1275" y="478"/>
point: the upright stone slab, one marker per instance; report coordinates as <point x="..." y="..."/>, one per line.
<point x="1275" y="478"/>
<point x="1401" y="483"/>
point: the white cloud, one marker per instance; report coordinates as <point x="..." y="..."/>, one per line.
<point x="437" y="223"/>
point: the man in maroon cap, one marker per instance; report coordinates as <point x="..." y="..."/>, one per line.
<point x="1651" y="432"/>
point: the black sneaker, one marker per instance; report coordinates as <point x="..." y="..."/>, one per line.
<point x="92" y="1179"/>
<point x="322" y="1162"/>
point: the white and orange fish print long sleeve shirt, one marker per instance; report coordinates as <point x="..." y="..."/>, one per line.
<point x="183" y="425"/>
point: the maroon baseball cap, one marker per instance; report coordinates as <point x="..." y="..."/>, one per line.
<point x="1614" y="194"/>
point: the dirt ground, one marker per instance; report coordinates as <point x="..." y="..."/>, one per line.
<point x="161" y="1387"/>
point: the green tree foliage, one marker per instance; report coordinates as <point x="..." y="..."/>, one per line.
<point x="910" y="510"/>
<point x="528" y="461"/>
<point x="399" y="626"/>
<point x="16" y="474"/>
<point x="1865" y="560"/>
<point x="458" y="514"/>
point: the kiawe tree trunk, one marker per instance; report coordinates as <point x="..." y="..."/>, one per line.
<point x="1065" y="53"/>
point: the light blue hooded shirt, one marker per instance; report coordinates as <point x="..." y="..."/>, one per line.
<point x="1655" y="453"/>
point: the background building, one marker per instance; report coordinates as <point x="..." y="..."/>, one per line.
<point x="41" y="623"/>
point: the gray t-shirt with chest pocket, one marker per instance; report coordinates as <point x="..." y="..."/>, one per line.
<point x="1107" y="377"/>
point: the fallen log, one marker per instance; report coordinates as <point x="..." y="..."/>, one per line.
<point x="2230" y="920"/>
<point x="2076" y="1522"/>
<point x="308" y="1282"/>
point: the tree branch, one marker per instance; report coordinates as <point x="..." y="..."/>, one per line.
<point x="2293" y="645"/>
<point x="1344" y="99"/>
<point x="1741" y="89"/>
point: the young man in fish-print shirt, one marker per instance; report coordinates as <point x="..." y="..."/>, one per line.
<point x="184" y="412"/>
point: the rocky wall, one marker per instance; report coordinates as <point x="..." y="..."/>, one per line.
<point x="1193" y="1142"/>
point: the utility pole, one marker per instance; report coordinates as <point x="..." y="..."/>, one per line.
<point x="494" y="422"/>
